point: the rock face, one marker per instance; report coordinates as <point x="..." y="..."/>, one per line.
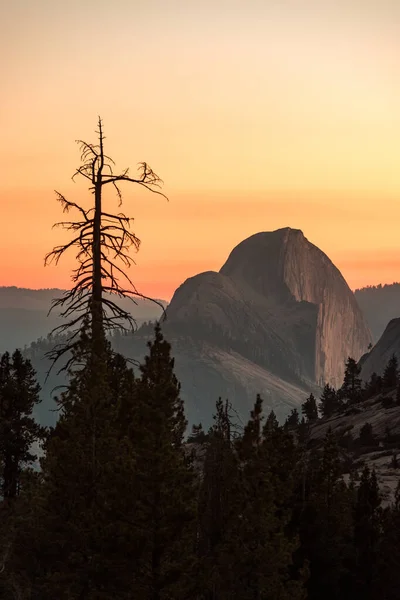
<point x="280" y="302"/>
<point x="377" y="359"/>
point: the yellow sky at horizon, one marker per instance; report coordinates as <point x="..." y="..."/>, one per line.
<point x="256" y="114"/>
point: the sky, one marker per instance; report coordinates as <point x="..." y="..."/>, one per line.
<point x="257" y="114"/>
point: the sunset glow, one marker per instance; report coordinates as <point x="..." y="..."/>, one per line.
<point x="257" y="115"/>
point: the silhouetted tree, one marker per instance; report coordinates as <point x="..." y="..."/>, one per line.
<point x="260" y="539"/>
<point x="329" y="401"/>
<point x="165" y="498"/>
<point x="219" y="503"/>
<point x="374" y="386"/>
<point x="293" y="420"/>
<point x="326" y="524"/>
<point x="198" y="435"/>
<point x="309" y="408"/>
<point x="367" y="523"/>
<point x="352" y="383"/>
<point x="389" y="552"/>
<point x="81" y="541"/>
<point x="103" y="241"/>
<point x="19" y="394"/>
<point x="391" y="373"/>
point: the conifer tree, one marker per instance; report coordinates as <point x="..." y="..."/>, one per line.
<point x="329" y="401"/>
<point x="165" y="482"/>
<point x="293" y="420"/>
<point x="258" y="538"/>
<point x="81" y="543"/>
<point x="309" y="409"/>
<point x="219" y="506"/>
<point x="388" y="583"/>
<point x="326" y="525"/>
<point x="374" y="386"/>
<point x="19" y="434"/>
<point x="198" y="435"/>
<point x="19" y="394"/>
<point x="352" y="383"/>
<point x="367" y="519"/>
<point x="391" y="373"/>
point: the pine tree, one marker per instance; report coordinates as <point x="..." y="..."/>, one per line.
<point x="198" y="435"/>
<point x="352" y="383"/>
<point x="165" y="482"/>
<point x="219" y="506"/>
<point x="309" y="409"/>
<point x="293" y="420"/>
<point x="325" y="524"/>
<point x="259" y="539"/>
<point x="19" y="394"/>
<point x="367" y="519"/>
<point x="388" y="583"/>
<point x="391" y="373"/>
<point x="80" y="541"/>
<point x="329" y="401"/>
<point x="19" y="434"/>
<point x="374" y="386"/>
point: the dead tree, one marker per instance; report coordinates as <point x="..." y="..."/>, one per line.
<point x="103" y="241"/>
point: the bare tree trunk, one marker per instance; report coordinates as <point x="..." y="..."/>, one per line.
<point x="102" y="239"/>
<point x="97" y="288"/>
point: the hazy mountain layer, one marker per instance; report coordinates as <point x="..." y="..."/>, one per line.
<point x="379" y="304"/>
<point x="24" y="314"/>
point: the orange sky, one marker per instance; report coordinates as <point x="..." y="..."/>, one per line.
<point x="257" y="114"/>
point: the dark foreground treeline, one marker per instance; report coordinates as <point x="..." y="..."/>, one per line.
<point x="124" y="508"/>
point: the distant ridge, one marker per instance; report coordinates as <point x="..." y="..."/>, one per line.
<point x="24" y="314"/>
<point x="380" y="304"/>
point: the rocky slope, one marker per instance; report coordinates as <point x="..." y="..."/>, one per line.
<point x="383" y="453"/>
<point x="208" y="371"/>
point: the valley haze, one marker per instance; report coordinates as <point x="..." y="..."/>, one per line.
<point x="277" y="319"/>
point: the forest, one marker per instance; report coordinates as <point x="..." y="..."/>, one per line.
<point x="119" y="501"/>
